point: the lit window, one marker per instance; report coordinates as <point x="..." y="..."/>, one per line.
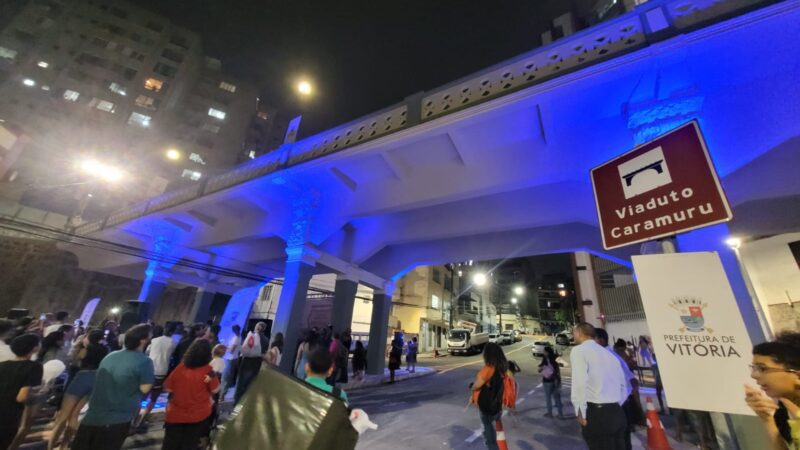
<point x="434" y="302"/>
<point x="144" y="101"/>
<point x="262" y="115"/>
<point x="211" y="127"/>
<point x="43" y="64"/>
<point x="103" y="105"/>
<point x="117" y="89"/>
<point x="252" y="154"/>
<point x="191" y="174"/>
<point x="227" y="86"/>
<point x="153" y="84"/>
<point x="197" y="158"/>
<point x="139" y="119"/>
<point x="71" y="96"/>
<point x="216" y="113"/>
<point x="7" y="53"/>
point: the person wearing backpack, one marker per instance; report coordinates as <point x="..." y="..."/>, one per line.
<point x="487" y="391"/>
<point x="551" y="380"/>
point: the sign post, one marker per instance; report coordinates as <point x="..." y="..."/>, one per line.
<point x="660" y="188"/>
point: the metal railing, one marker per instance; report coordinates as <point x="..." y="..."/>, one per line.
<point x="651" y="22"/>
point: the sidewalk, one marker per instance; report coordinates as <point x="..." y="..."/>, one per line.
<point x="376" y="380"/>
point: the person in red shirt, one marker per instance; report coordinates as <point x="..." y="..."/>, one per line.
<point x="191" y="386"/>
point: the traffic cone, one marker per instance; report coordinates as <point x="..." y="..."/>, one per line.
<point x="501" y="435"/>
<point x="656" y="437"/>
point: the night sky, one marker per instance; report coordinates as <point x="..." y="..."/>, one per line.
<point x="361" y="55"/>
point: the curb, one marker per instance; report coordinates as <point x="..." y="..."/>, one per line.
<point x="351" y="386"/>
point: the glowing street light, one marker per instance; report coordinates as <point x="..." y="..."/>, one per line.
<point x="733" y="242"/>
<point x="519" y="290"/>
<point x="173" y="154"/>
<point x="479" y="279"/>
<point x="100" y="170"/>
<point x="304" y="88"/>
<point x="514" y="300"/>
<point x="115" y="310"/>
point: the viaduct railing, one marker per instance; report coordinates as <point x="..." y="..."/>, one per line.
<point x="651" y="22"/>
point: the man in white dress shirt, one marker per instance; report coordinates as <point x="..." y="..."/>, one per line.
<point x="598" y="392"/>
<point x="602" y="339"/>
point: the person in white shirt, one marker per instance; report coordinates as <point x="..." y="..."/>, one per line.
<point x="6" y="329"/>
<point x="61" y="319"/>
<point x="598" y="392"/>
<point x="160" y="351"/>
<point x="629" y="406"/>
<point x="234" y="346"/>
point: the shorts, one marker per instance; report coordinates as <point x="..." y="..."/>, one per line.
<point x="81" y="386"/>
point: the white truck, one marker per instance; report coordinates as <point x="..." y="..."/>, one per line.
<point x="462" y="340"/>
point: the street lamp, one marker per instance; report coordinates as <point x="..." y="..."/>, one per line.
<point x="514" y="300"/>
<point x="304" y="88"/>
<point x="173" y="154"/>
<point x="733" y="242"/>
<point x="519" y="290"/>
<point x="479" y="279"/>
<point x="115" y="310"/>
<point x="100" y="170"/>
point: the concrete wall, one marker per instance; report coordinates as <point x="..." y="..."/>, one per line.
<point x="775" y="275"/>
<point x="36" y="275"/>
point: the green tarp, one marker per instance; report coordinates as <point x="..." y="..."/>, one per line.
<point x="281" y="412"/>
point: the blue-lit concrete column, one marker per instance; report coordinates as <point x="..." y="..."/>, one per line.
<point x="344" y="298"/>
<point x="289" y="315"/>
<point x="378" y="329"/>
<point x="153" y="287"/>
<point x="203" y="299"/>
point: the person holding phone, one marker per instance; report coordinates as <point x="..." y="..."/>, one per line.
<point x="776" y="369"/>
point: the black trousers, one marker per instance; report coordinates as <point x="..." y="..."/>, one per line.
<point x="606" y="427"/>
<point x="101" y="437"/>
<point x="184" y="436"/>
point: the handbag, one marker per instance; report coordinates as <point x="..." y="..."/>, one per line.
<point x="548" y="371"/>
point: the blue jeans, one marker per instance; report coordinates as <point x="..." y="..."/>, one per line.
<point x="553" y="390"/>
<point x="489" y="432"/>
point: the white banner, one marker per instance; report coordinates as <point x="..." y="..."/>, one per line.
<point x="699" y="338"/>
<point x="88" y="311"/>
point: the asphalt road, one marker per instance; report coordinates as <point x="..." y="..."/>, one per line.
<point x="432" y="412"/>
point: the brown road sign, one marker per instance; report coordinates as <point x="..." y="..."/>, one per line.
<point x="661" y="188"/>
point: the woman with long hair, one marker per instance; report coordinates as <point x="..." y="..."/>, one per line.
<point x="191" y="386"/>
<point x="309" y="340"/>
<point x="494" y="369"/>
<point x="51" y="346"/>
<point x="78" y="390"/>
<point x="551" y="380"/>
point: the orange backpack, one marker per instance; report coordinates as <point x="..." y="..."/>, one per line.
<point x="509" y="391"/>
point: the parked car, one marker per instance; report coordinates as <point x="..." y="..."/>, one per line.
<point x="494" y="338"/>
<point x="562" y="339"/>
<point x="537" y="349"/>
<point x="508" y="338"/>
<point x="517" y="336"/>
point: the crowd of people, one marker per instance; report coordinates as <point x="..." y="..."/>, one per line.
<point x="118" y="377"/>
<point x="605" y="389"/>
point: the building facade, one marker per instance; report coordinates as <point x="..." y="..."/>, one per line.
<point x="108" y="82"/>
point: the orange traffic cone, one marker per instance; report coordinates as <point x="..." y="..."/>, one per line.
<point x="501" y="435"/>
<point x="656" y="437"/>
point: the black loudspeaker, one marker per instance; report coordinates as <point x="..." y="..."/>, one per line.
<point x="17" y="313"/>
<point x="134" y="312"/>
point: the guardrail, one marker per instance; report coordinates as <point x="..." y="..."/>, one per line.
<point x="650" y="22"/>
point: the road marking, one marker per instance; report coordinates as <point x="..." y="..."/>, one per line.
<point x="474" y="436"/>
<point x="521" y="400"/>
<point x="531" y="391"/>
<point x="539" y="385"/>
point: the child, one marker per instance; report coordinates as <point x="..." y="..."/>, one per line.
<point x="411" y="355"/>
<point x="218" y="362"/>
<point x="318" y="368"/>
<point x="359" y="361"/>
